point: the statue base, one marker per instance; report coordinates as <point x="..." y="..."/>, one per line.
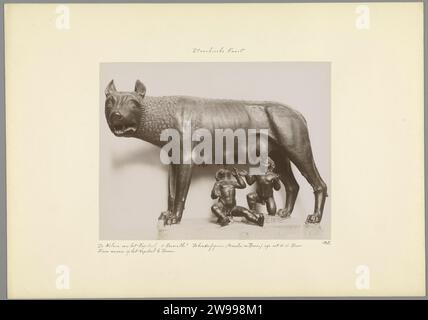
<point x="275" y="228"/>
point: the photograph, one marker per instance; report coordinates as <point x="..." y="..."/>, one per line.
<point x="225" y="117"/>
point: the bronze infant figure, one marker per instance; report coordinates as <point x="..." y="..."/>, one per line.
<point x="224" y="190"/>
<point x="133" y="114"/>
<point x="265" y="185"/>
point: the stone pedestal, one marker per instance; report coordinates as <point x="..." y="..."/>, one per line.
<point x="275" y="228"/>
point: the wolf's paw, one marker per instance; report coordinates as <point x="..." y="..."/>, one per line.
<point x="168" y="218"/>
<point x="283" y="213"/>
<point x="261" y="220"/>
<point x="313" y="218"/>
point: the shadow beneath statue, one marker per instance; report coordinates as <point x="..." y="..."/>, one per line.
<point x="147" y="155"/>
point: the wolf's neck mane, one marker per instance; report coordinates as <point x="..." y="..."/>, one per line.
<point x="157" y="115"/>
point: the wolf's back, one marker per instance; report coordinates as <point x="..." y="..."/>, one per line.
<point x="233" y="114"/>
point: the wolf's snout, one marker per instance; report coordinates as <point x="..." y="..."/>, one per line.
<point x="121" y="125"/>
<point x="115" y="117"/>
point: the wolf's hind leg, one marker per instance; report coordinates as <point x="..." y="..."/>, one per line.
<point x="283" y="169"/>
<point x="293" y="138"/>
<point x="305" y="163"/>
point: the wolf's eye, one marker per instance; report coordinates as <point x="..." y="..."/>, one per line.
<point x="110" y="101"/>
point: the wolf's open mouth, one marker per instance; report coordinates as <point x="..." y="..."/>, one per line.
<point x="121" y="130"/>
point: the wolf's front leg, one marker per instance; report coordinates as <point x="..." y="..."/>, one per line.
<point x="183" y="179"/>
<point x="167" y="216"/>
<point x="171" y="187"/>
<point x="178" y="186"/>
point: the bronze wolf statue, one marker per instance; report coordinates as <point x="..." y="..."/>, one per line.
<point x="133" y="114"/>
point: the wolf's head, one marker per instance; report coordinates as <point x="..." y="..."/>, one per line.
<point x="123" y="109"/>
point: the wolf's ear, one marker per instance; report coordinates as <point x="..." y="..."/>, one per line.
<point x="110" y="88"/>
<point x="140" y="88"/>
